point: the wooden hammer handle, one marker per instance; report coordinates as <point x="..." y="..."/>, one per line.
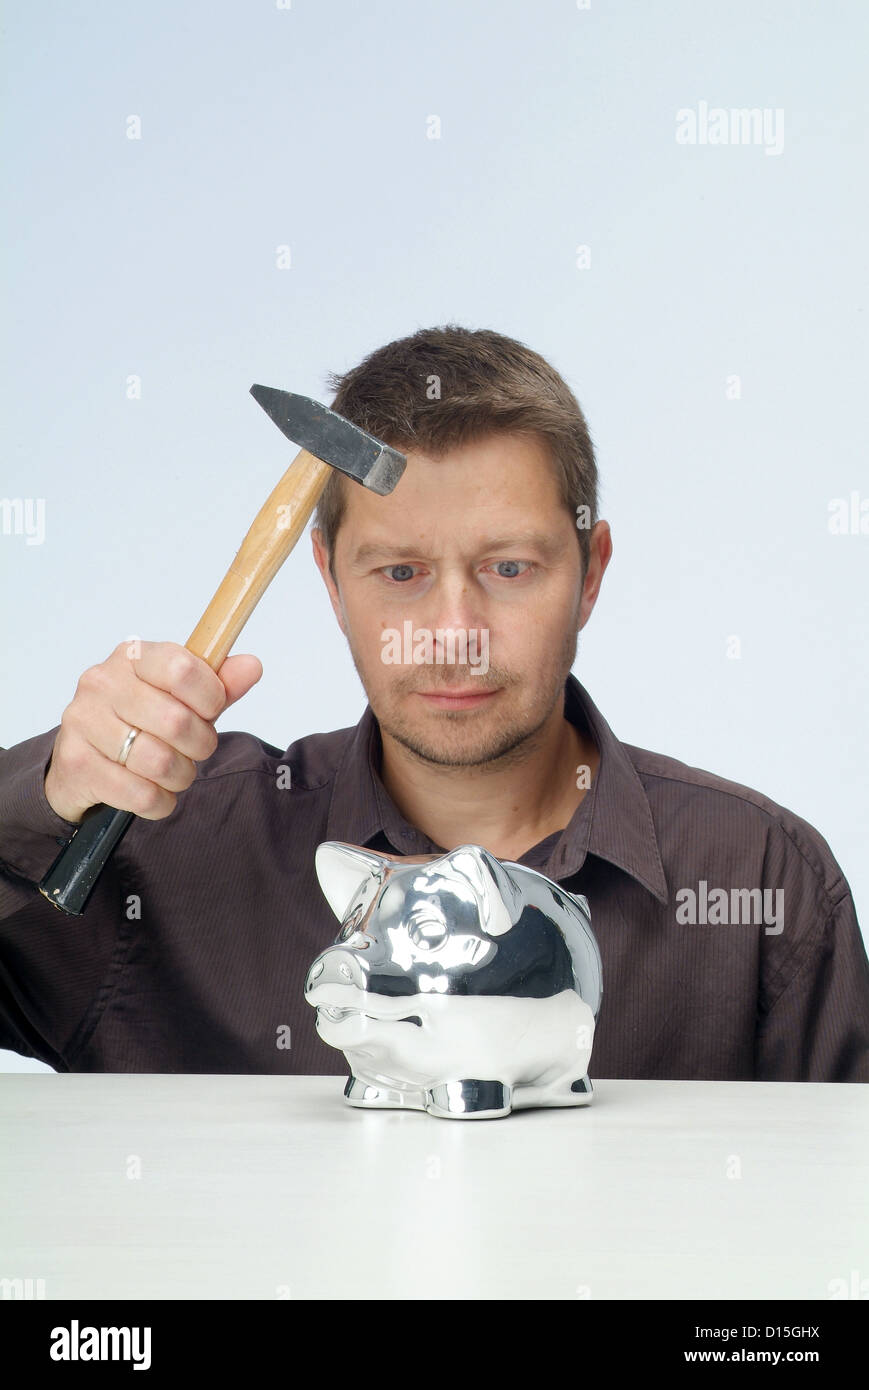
<point x="275" y="529"/>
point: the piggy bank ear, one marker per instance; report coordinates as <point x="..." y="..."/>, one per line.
<point x="497" y="894"/>
<point x="345" y="871"/>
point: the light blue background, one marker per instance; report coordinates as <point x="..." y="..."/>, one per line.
<point x="307" y="127"/>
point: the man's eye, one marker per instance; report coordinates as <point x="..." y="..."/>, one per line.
<point x="405" y="573"/>
<point x="505" y="569"/>
<point x="513" y="569"/>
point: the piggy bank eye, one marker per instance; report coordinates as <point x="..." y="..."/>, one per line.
<point x="428" y="934"/>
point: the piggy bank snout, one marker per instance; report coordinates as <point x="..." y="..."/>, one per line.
<point x="337" y="966"/>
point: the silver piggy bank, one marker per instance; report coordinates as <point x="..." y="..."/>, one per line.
<point x="459" y="984"/>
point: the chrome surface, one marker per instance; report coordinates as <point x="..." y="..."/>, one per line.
<point x="460" y="984"/>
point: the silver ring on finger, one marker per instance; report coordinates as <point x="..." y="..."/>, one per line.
<point x="127" y="745"/>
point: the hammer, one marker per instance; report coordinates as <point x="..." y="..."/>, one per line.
<point x="328" y="441"/>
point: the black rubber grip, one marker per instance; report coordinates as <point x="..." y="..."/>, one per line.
<point x="73" y="875"/>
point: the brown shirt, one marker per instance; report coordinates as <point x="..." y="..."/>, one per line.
<point x="192" y="952"/>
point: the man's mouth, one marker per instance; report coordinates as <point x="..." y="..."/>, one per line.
<point x="456" y="699"/>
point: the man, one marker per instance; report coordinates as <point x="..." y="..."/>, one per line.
<point x="727" y="931"/>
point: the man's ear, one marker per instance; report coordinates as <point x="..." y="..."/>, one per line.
<point x="321" y="559"/>
<point x="600" y="552"/>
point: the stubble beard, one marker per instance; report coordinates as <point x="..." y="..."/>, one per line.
<point x="484" y="738"/>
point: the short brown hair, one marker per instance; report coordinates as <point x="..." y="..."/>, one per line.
<point x="442" y="387"/>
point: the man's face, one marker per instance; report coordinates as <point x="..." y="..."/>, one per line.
<point x="478" y="542"/>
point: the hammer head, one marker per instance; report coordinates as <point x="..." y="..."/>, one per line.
<point x="332" y="438"/>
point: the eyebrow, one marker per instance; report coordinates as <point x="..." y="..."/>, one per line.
<point x="547" y="545"/>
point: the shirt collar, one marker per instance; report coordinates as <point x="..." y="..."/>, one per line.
<point x="613" y="821"/>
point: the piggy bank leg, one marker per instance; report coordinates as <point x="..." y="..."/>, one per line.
<point x="469" y="1100"/>
<point x="370" y="1097"/>
<point x="565" y="1090"/>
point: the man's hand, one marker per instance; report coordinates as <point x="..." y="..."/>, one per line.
<point x="169" y="694"/>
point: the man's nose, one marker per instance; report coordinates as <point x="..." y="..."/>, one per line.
<point x="455" y="602"/>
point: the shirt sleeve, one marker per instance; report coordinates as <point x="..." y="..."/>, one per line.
<point x="817" y="1026"/>
<point x="52" y="966"/>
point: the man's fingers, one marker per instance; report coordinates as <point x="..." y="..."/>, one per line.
<point x="167" y="694"/>
<point x="126" y="791"/>
<point x="238" y="674"/>
<point x="169" y="667"/>
<point x="82" y="774"/>
<point x="148" y="757"/>
<point x="139" y="705"/>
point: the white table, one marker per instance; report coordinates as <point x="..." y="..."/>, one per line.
<point x="264" y="1187"/>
